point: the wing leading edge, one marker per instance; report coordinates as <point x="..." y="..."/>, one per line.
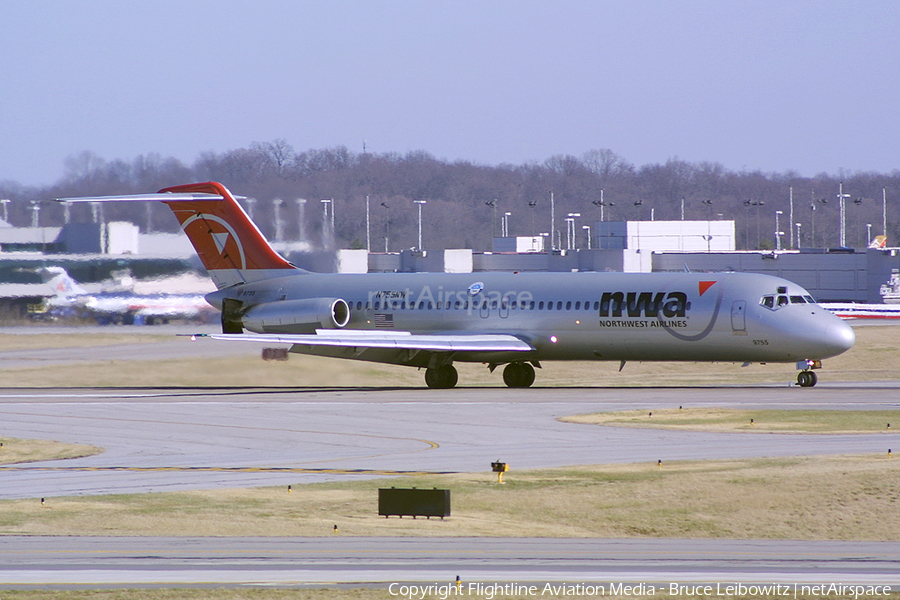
<point x="399" y="340"/>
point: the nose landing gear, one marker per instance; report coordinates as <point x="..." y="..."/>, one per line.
<point x="806" y="377"/>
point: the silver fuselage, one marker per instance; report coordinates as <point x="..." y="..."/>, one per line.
<point x="573" y="316"/>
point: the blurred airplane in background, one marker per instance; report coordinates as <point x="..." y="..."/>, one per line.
<point x="118" y="305"/>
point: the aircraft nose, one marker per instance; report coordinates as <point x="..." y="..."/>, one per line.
<point x="839" y="337"/>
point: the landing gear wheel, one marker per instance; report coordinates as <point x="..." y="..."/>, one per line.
<point x="518" y="375"/>
<point x="443" y="377"/>
<point x="807" y="379"/>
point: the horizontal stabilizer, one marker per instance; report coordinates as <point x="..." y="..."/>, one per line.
<point x="156" y="197"/>
<point x="494" y="342"/>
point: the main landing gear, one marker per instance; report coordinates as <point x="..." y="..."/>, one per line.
<point x="518" y="375"/>
<point x="515" y="375"/>
<point x="442" y="378"/>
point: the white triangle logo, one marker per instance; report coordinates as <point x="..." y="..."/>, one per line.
<point x="220" y="240"/>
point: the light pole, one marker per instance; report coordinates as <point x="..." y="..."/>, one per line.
<point x="587" y="228"/>
<point x="531" y="205"/>
<point x="387" y="233"/>
<point x="368" y="235"/>
<point x="35" y="214"/>
<point x="778" y="232"/>
<point x="279" y="224"/>
<point x="504" y="231"/>
<point x="570" y="230"/>
<point x="420" y="203"/>
<point x="5" y="202"/>
<point x="798" y="234"/>
<point x="301" y="219"/>
<point x="493" y="205"/>
<point x="328" y="223"/>
<point x="552" y="222"/>
<point x="842" y="196"/>
<point x="868" y="233"/>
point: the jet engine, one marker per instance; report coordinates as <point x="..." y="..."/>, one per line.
<point x="297" y="316"/>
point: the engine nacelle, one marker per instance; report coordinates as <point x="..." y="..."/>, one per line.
<point x="297" y="316"/>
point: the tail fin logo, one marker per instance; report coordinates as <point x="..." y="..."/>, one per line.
<point x="230" y="245"/>
<point x="220" y="238"/>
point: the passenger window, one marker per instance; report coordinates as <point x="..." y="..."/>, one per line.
<point x="578" y="305"/>
<point x="597" y="305"/>
<point x="559" y="305"/>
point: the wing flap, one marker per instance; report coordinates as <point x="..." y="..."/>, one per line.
<point x="400" y="340"/>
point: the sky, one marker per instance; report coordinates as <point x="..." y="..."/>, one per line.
<point x="777" y="86"/>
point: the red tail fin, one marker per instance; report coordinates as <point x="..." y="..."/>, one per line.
<point x="229" y="244"/>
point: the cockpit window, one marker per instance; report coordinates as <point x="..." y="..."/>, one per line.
<point x="775" y="302"/>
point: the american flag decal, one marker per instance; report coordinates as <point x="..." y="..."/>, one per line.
<point x="384" y="321"/>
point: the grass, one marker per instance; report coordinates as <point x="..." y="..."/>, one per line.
<point x="15" y="451"/>
<point x="760" y="421"/>
<point x="810" y="498"/>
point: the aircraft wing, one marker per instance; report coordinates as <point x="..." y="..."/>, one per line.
<point x="400" y="340"/>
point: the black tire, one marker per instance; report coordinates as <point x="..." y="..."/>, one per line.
<point x="449" y="376"/>
<point x="432" y="379"/>
<point x="518" y="375"/>
<point x="441" y="378"/>
<point x="527" y="375"/>
<point x="807" y="379"/>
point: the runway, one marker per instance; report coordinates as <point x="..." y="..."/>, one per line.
<point x="175" y="562"/>
<point x="177" y="439"/>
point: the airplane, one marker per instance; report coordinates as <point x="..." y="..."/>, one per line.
<point x="432" y="320"/>
<point x="69" y="295"/>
